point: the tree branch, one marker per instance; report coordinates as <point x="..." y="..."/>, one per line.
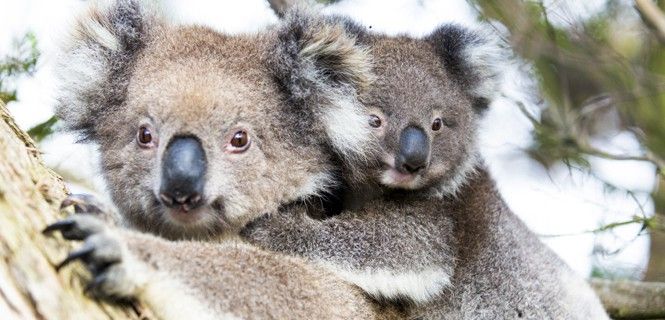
<point x="30" y="196"/>
<point x="651" y="222"/>
<point x="631" y="299"/>
<point x="652" y="16"/>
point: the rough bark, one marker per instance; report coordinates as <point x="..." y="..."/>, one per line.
<point x="30" y="195"/>
<point x="631" y="299"/>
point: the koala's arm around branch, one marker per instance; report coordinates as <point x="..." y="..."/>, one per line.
<point x="241" y="280"/>
<point x="30" y="196"/>
<point x="391" y="250"/>
<point x="207" y="280"/>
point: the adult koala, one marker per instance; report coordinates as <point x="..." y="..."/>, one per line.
<point x="199" y="135"/>
<point x="434" y="230"/>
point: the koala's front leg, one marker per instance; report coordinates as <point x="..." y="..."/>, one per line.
<point x="388" y="252"/>
<point x="119" y="275"/>
<point x="115" y="274"/>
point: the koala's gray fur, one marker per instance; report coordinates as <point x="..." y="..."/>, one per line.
<point x="401" y="244"/>
<point x="503" y="270"/>
<point x="443" y="238"/>
<point x="144" y="72"/>
<point x="293" y="89"/>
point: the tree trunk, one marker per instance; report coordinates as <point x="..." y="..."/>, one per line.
<point x="30" y="195"/>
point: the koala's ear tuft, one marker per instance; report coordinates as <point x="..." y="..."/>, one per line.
<point x="316" y="53"/>
<point x="474" y="59"/>
<point x="323" y="67"/>
<point x="96" y="61"/>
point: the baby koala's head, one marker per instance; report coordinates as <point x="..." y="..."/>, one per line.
<point x="425" y="105"/>
<point x="201" y="132"/>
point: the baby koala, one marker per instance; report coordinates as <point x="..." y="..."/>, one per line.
<point x="428" y="225"/>
<point x="199" y="133"/>
<point x="394" y="239"/>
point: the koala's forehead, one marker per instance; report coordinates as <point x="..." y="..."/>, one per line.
<point x="193" y="74"/>
<point x="410" y="76"/>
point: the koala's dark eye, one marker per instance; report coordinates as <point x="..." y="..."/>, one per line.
<point x="374" y="121"/>
<point x="436" y="124"/>
<point x="239" y="141"/>
<point x="144" y="137"/>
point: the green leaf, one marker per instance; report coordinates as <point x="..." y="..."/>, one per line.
<point x="42" y="130"/>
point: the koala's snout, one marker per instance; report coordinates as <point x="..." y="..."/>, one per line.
<point x="414" y="148"/>
<point x="184" y="168"/>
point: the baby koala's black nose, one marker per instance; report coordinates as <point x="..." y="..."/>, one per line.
<point x="184" y="168"/>
<point x="413" y="154"/>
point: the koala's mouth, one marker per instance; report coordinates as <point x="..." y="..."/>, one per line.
<point x="184" y="216"/>
<point x="209" y="213"/>
<point x="393" y="178"/>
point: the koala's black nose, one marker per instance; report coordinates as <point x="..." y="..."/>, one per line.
<point x="413" y="154"/>
<point x="184" y="168"/>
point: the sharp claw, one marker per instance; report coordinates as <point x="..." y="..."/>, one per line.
<point x="96" y="282"/>
<point x="74" y="255"/>
<point x="70" y="200"/>
<point x="82" y="203"/>
<point x="60" y="225"/>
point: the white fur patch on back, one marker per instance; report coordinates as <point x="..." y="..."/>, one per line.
<point x="419" y="286"/>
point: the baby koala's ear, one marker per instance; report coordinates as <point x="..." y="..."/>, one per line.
<point x="474" y="58"/>
<point x="323" y="67"/>
<point x="96" y="60"/>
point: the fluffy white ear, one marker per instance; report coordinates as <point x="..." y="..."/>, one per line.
<point x="323" y="68"/>
<point x="95" y="62"/>
<point x="314" y="52"/>
<point x="474" y="58"/>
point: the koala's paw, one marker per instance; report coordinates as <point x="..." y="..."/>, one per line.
<point x="115" y="272"/>
<point x="83" y="203"/>
<point x="89" y="204"/>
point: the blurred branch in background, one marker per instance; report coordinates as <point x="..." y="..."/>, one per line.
<point x="599" y="76"/>
<point x="631" y="299"/>
<point x="650" y="223"/>
<point x="652" y="16"/>
<point x="21" y="61"/>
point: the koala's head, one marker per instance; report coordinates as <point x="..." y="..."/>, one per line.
<point x="201" y="132"/>
<point x="426" y="102"/>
